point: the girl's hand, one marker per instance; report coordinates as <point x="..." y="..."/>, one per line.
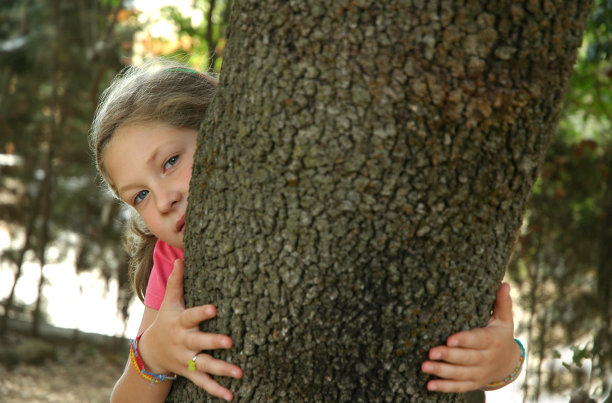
<point x="474" y="358"/>
<point x="174" y="339"/>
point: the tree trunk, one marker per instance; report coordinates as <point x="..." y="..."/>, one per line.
<point x="359" y="183"/>
<point x="212" y="45"/>
<point x="47" y="182"/>
<point x="46" y="190"/>
<point x="45" y="217"/>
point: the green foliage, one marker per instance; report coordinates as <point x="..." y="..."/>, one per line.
<point x="600" y="32"/>
<point x="205" y="38"/>
<point x="579" y="355"/>
<point x="589" y="98"/>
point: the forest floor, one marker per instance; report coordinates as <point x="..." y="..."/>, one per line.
<point x="54" y="369"/>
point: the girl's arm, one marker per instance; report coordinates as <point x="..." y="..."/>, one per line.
<point x="170" y="339"/>
<point x="474" y="358"/>
<point x="131" y="387"/>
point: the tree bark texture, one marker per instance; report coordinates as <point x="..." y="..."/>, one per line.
<point x="360" y="180"/>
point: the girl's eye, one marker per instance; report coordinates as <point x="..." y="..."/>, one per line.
<point x="171" y="162"/>
<point x="140" y="196"/>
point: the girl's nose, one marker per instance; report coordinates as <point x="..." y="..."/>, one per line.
<point x="167" y="199"/>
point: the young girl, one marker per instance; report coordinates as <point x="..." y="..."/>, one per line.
<point x="144" y="137"/>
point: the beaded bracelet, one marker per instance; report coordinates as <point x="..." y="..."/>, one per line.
<point x="138" y="365"/>
<point x="499" y="384"/>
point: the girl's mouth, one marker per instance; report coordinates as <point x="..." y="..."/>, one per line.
<point x="180" y="224"/>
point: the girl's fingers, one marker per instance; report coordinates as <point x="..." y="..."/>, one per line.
<point x="459" y="356"/>
<point x="192" y="317"/>
<point x="198" y="341"/>
<point x="204" y="381"/>
<point x="213" y="366"/>
<point x="478" y="339"/>
<point x="451" y="386"/>
<point x="448" y="371"/>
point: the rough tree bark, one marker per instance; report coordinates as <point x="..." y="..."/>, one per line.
<point x="359" y="182"/>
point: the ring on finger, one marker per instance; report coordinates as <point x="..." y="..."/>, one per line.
<point x="191" y="365"/>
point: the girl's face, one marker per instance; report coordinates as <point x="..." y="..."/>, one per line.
<point x="150" y="166"/>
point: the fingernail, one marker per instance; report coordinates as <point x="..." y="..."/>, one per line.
<point x="432" y="386"/>
<point x="436" y="355"/>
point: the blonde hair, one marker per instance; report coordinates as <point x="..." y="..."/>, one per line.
<point x="161" y="91"/>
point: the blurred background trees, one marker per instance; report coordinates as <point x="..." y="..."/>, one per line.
<point x="56" y="57"/>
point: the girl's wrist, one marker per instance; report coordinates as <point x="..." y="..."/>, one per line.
<point x="145" y="350"/>
<point x="514" y="372"/>
<point x="141" y="369"/>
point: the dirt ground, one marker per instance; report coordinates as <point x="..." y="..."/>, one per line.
<point x="37" y="370"/>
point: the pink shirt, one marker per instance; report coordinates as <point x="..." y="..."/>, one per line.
<point x="164" y="256"/>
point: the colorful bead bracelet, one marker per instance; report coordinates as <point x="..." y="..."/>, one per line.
<point x="139" y="366"/>
<point x="499" y="384"/>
